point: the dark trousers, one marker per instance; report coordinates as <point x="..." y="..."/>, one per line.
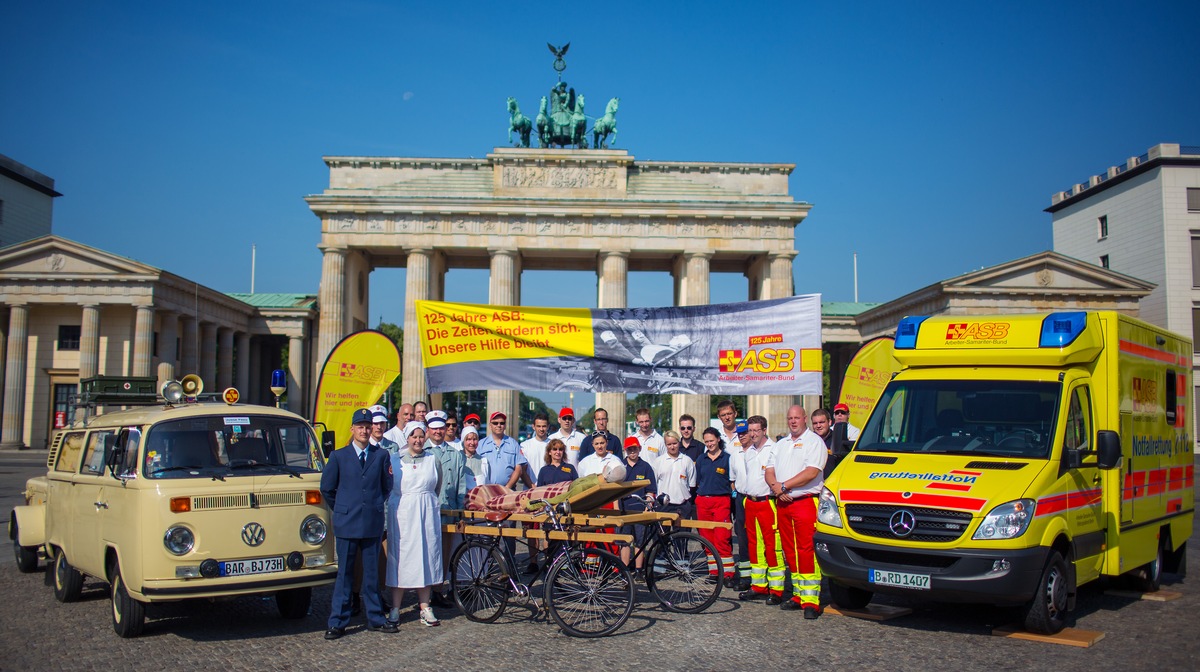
<point x="685" y="510"/>
<point x="350" y="552"/>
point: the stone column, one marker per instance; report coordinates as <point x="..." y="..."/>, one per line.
<point x="242" y="377"/>
<point x="208" y="355"/>
<point x="143" y="339"/>
<point x="189" y="360"/>
<point x="256" y="385"/>
<point x="168" y="351"/>
<point x="502" y="291"/>
<point x="437" y="292"/>
<point x="89" y="342"/>
<point x="296" y="399"/>
<point x="773" y="280"/>
<point x="12" y="433"/>
<point x="331" y="301"/>
<point x="224" y="358"/>
<point x="416" y="288"/>
<point x="612" y="289"/>
<point x="3" y="350"/>
<point x="692" y="280"/>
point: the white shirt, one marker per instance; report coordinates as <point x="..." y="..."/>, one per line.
<point x="676" y="477"/>
<point x="653" y="447"/>
<point x="534" y="450"/>
<point x="793" y="455"/>
<point x="750" y="469"/>
<point x="594" y="464"/>
<point x="852" y="432"/>
<point x="573" y="441"/>
<point x="396" y="435"/>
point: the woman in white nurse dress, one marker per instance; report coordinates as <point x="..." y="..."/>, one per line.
<point x="414" y="557"/>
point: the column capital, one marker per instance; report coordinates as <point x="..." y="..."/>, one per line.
<point x="614" y="253"/>
<point x="782" y="254"/>
<point x="420" y="249"/>
<point x="503" y="252"/>
<point x="334" y="249"/>
<point x="704" y="254"/>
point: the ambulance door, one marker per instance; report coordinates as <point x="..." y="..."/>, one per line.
<point x="1130" y="488"/>
<point x="1084" y="488"/>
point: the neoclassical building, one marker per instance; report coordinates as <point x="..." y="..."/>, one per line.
<point x="554" y="209"/>
<point x="69" y="312"/>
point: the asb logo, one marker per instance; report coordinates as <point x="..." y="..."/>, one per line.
<point x="967" y="331"/>
<point x="365" y="374"/>
<point x="764" y="360"/>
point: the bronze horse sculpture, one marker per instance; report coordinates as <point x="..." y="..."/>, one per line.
<point x="606" y="125"/>
<point x="518" y="122"/>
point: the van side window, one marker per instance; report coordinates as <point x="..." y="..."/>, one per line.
<point x="1171" y="403"/>
<point x="1078" y="432"/>
<point x="98" y="445"/>
<point x="129" y="439"/>
<point x="68" y="454"/>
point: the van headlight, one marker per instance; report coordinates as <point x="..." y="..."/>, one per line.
<point x="827" y="509"/>
<point x="179" y="540"/>
<point x="1007" y="521"/>
<point x="313" y="530"/>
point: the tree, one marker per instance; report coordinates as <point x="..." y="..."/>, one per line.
<point x="397" y="335"/>
<point x="659" y="406"/>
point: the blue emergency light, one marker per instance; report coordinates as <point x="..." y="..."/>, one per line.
<point x="906" y="332"/>
<point x="1061" y="329"/>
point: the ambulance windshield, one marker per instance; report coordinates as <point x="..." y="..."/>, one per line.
<point x="970" y="417"/>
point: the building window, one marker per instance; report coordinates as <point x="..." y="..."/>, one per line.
<point x="1195" y="330"/>
<point x="1102" y="223"/>
<point x="68" y="337"/>
<point x="1193" y="199"/>
<point x="1104" y="261"/>
<point x="1196" y="260"/>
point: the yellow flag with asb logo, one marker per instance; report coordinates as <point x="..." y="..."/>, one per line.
<point x="867" y="375"/>
<point x="357" y="372"/>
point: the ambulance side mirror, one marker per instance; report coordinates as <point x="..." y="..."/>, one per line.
<point x="1108" y="449"/>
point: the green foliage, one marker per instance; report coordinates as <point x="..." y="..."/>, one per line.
<point x="659" y="406"/>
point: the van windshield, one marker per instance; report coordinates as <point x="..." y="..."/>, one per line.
<point x="997" y="418"/>
<point x="222" y="446"/>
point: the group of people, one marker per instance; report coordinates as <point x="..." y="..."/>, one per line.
<point x="392" y="483"/>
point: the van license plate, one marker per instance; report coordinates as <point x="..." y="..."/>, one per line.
<point x="901" y="579"/>
<point x="253" y="566"/>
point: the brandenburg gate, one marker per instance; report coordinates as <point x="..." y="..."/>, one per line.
<point x="551" y="209"/>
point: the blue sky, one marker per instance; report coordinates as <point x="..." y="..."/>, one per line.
<point x="928" y="136"/>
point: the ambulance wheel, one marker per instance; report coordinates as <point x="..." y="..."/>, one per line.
<point x="128" y="615"/>
<point x="1046" y="613"/>
<point x="68" y="582"/>
<point x="1148" y="577"/>
<point x="293" y="603"/>
<point x="479" y="581"/>
<point x="27" y="556"/>
<point x="849" y="597"/>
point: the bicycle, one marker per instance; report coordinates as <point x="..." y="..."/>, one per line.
<point x="682" y="569"/>
<point x="588" y="591"/>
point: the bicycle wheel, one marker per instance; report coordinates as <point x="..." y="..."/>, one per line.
<point x="479" y="582"/>
<point x="677" y="572"/>
<point x="589" y="592"/>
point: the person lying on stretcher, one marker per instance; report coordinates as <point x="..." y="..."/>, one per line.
<point x="500" y="498"/>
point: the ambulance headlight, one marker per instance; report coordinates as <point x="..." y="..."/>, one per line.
<point x="1006" y="521"/>
<point x="827" y="509"/>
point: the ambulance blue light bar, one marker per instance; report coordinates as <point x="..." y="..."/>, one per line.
<point x="906" y="332"/>
<point x="1061" y="329"/>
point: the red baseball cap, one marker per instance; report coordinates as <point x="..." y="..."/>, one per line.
<point x="497" y="414"/>
<point x="472" y="416"/>
<point x="841" y="407"/>
<point x="631" y="441"/>
<point x="565" y="412"/>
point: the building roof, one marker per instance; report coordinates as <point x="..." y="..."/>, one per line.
<point x="844" y="308"/>
<point x="27" y="176"/>
<point x="275" y="299"/>
<point x="1164" y="154"/>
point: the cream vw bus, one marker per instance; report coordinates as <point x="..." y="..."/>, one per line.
<point x="180" y="500"/>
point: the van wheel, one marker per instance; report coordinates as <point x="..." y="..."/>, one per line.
<point x="848" y="597"/>
<point x="1046" y="613"/>
<point x="27" y="557"/>
<point x="293" y="603"/>
<point x="68" y="582"/>
<point x="1148" y="577"/>
<point x="128" y="615"/>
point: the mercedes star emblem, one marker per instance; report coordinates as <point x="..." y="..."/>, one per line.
<point x="254" y="534"/>
<point x="902" y="523"/>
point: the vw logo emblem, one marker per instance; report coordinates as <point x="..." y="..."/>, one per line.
<point x="253" y="534"/>
<point x="902" y="523"/>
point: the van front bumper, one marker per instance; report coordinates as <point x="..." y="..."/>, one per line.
<point x="997" y="576"/>
<point x="177" y="589"/>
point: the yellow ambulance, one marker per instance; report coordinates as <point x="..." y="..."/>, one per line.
<point x="1014" y="458"/>
<point x="180" y="499"/>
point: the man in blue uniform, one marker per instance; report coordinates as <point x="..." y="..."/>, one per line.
<point x="355" y="484"/>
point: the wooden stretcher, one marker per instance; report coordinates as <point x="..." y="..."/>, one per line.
<point x="587" y="519"/>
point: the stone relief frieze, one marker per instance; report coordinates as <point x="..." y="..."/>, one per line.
<point x="559" y="177"/>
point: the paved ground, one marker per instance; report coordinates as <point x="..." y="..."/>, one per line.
<point x="36" y="632"/>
